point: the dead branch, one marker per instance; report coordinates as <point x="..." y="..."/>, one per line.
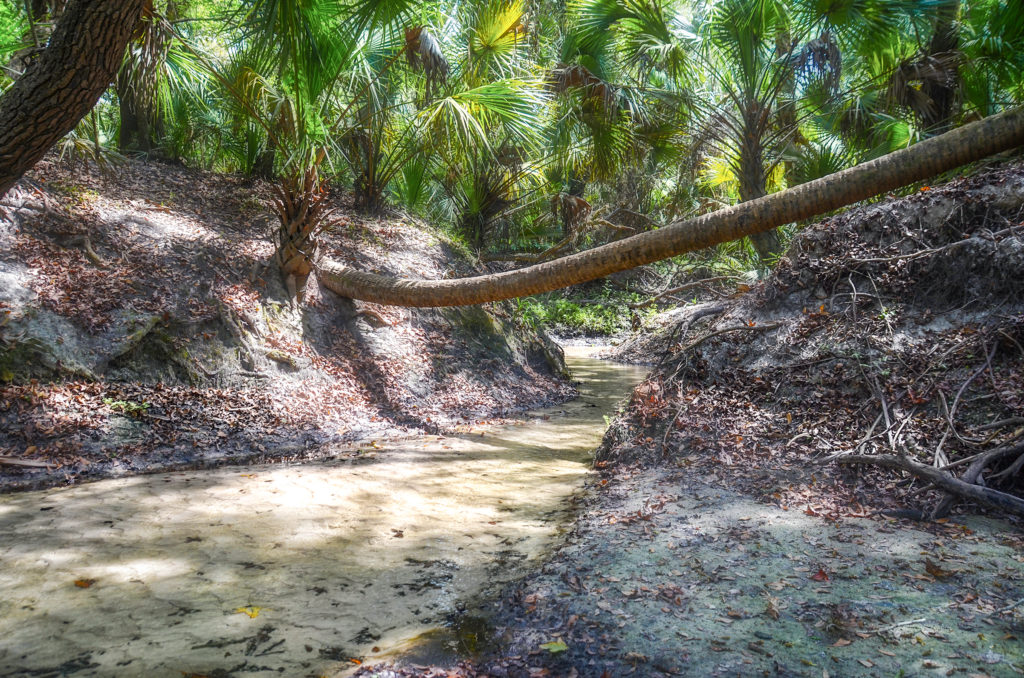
<point x="531" y="258"/>
<point x="24" y="463"/>
<point x="739" y="328"/>
<point x="929" y="251"/>
<point x="1012" y="421"/>
<point x="942" y="480"/>
<point x="682" y="288"/>
<point x="885" y="413"/>
<point x="978" y="464"/>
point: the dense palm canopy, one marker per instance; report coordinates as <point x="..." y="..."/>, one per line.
<point x="531" y="128"/>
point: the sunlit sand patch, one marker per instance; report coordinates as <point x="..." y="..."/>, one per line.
<point x="306" y="569"/>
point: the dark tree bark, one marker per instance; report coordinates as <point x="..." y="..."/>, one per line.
<point x="942" y="89"/>
<point x="60" y="87"/>
<point x="753" y="180"/>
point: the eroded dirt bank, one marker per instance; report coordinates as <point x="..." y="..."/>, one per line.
<point x="291" y="569"/>
<point x="141" y="328"/>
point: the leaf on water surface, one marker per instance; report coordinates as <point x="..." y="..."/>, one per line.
<point x="251" y="610"/>
<point x="555" y="646"/>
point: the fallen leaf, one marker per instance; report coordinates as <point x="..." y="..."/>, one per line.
<point x="555" y="646"/>
<point x="820" y="575"/>
<point x="251" y="610"/>
<point x="936" y="571"/>
<point x="84" y="583"/>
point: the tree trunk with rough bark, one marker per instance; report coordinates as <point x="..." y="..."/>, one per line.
<point x="942" y="90"/>
<point x="60" y="87"/>
<point x="926" y="159"/>
<point x="753" y="185"/>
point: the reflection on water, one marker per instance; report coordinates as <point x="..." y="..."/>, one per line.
<point x="291" y="570"/>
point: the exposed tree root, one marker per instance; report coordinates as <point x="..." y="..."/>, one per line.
<point x="85" y="243"/>
<point x="681" y="288"/>
<point x="964" y="487"/>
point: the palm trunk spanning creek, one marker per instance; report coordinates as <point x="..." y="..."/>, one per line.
<point x="293" y="569"/>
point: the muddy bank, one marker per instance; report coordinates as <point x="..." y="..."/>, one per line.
<point x="142" y="329"/>
<point x="292" y="569"/>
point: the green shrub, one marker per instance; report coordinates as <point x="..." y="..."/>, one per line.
<point x="565" y="316"/>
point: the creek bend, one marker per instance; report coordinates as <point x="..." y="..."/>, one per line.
<point x="292" y="569"/>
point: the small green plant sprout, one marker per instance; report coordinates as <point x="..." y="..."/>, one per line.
<point x="129" y="407"/>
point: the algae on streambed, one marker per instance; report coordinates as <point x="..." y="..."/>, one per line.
<point x="290" y="569"/>
<point x="671" y="573"/>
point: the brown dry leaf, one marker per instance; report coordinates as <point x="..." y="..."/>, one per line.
<point x="866" y="663"/>
<point x="84" y="583"/>
<point x="936" y="571"/>
<point x="842" y="642"/>
<point x="820" y="575"/>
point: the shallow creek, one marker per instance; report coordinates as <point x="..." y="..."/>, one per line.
<point x="293" y="569"/>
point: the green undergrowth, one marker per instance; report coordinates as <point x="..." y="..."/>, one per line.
<point x="573" y="316"/>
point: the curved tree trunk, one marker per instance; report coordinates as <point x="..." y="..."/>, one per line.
<point x="939" y="154"/>
<point x="60" y="87"/>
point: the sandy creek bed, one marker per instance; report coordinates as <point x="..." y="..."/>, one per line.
<point x="291" y="569"/>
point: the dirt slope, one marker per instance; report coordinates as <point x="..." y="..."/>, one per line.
<point x="141" y="328"/>
<point x="896" y="327"/>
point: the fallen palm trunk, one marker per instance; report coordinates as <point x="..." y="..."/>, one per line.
<point x="966" y="144"/>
